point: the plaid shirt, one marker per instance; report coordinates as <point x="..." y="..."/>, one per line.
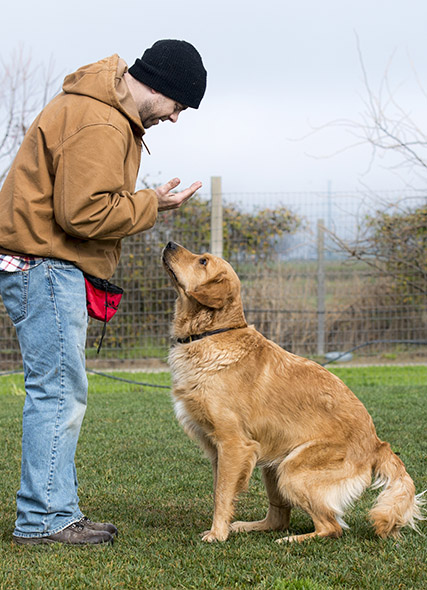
<point x="14" y="263"/>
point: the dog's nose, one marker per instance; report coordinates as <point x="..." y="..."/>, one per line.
<point x="171" y="246"/>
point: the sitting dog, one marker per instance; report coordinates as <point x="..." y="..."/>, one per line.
<point x="248" y="402"/>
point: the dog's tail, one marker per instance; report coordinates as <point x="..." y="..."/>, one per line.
<point x="397" y="505"/>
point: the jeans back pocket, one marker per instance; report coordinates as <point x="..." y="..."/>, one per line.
<point x="14" y="292"/>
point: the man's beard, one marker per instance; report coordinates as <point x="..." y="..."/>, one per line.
<point x="146" y="113"/>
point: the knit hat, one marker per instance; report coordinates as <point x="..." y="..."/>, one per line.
<point x="173" y="68"/>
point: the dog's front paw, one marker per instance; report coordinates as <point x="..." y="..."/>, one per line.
<point x="212" y="536"/>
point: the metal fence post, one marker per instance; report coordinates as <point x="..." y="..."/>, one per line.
<point x="320" y="287"/>
<point x="216" y="246"/>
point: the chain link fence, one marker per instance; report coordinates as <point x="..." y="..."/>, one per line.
<point x="304" y="291"/>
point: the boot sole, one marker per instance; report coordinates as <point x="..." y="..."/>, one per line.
<point x="47" y="541"/>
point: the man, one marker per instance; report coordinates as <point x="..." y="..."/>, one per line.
<point x="66" y="204"/>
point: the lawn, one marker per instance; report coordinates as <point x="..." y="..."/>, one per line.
<point x="138" y="469"/>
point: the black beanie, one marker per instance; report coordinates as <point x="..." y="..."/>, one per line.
<point x="173" y="68"/>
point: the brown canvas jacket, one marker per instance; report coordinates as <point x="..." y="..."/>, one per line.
<point x="70" y="191"/>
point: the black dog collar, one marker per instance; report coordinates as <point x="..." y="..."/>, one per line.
<point x="193" y="337"/>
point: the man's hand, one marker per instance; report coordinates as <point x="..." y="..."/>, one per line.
<point x="169" y="200"/>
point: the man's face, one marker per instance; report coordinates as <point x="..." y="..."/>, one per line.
<point x="159" y="108"/>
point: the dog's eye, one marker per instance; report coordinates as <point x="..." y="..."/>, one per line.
<point x="203" y="261"/>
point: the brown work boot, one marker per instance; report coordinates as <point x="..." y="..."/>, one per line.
<point x="99" y="526"/>
<point x="75" y="534"/>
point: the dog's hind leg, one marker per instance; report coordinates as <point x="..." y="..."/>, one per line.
<point x="236" y="461"/>
<point x="279" y="510"/>
<point x="325" y="525"/>
<point x="320" y="479"/>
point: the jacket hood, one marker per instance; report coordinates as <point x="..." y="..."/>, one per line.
<point x="103" y="81"/>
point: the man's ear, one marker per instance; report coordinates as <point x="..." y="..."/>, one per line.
<point x="214" y="293"/>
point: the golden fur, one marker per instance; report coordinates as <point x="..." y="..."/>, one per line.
<point x="248" y="402"/>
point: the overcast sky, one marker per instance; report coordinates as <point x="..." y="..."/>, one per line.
<point x="277" y="69"/>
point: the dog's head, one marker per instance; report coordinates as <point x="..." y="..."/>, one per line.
<point x="208" y="288"/>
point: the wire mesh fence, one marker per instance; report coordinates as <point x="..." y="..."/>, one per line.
<point x="300" y="287"/>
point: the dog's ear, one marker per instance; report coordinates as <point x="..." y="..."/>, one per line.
<point x="215" y="293"/>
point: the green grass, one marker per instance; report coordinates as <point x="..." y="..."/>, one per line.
<point x="148" y="350"/>
<point x="138" y="469"/>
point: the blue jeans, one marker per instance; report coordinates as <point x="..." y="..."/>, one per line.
<point x="47" y="305"/>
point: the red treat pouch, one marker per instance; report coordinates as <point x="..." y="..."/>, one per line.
<point x="102" y="299"/>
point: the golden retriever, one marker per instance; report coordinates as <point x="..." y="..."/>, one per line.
<point x="248" y="402"/>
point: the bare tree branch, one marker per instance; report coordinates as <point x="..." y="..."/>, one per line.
<point x="25" y="88"/>
<point x="394" y="131"/>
